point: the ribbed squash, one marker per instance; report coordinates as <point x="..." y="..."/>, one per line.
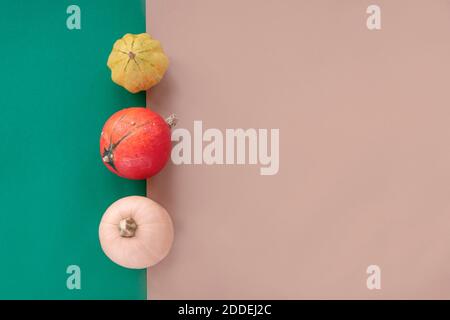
<point x="137" y="62"/>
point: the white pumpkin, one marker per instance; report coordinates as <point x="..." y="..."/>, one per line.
<point x="136" y="232"/>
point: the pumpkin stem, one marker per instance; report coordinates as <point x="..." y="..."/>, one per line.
<point x="127" y="227"/>
<point x="172" y="120"/>
<point x="131" y="55"/>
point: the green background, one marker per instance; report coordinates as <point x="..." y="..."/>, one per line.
<point x="56" y="93"/>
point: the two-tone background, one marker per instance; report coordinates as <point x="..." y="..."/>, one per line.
<point x="364" y="157"/>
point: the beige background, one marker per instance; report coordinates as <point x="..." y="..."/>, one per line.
<point x="364" y="150"/>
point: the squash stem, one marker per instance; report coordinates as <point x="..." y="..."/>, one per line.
<point x="172" y="121"/>
<point x="127" y="227"/>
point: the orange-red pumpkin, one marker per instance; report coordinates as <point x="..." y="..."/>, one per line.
<point x="135" y="143"/>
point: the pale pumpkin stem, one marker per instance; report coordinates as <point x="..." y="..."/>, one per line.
<point x="172" y="120"/>
<point x="127" y="227"/>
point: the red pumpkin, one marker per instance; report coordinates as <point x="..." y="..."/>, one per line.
<point x="135" y="143"/>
